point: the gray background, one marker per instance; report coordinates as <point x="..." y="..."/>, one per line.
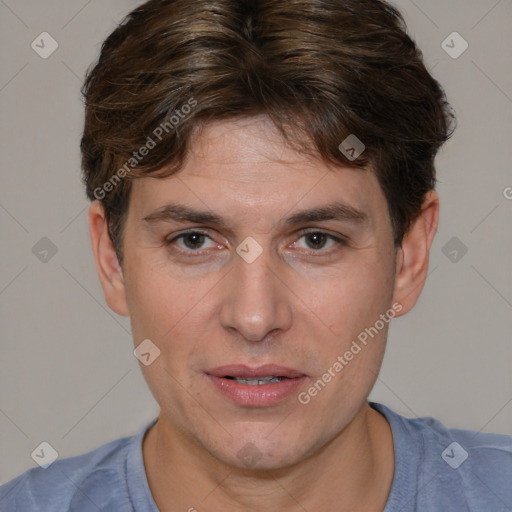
<point x="67" y="371"/>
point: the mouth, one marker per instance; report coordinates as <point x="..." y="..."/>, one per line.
<point x="262" y="375"/>
<point x="258" y="381"/>
<point x="256" y="387"/>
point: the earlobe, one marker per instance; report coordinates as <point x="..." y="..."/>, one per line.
<point x="413" y="257"/>
<point x="107" y="263"/>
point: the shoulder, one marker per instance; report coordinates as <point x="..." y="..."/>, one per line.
<point x="467" y="469"/>
<point x="459" y="447"/>
<point x="75" y="483"/>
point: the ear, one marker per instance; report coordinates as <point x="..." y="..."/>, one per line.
<point x="107" y="264"/>
<point x="413" y="256"/>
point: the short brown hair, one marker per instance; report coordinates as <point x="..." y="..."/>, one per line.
<point x="321" y="70"/>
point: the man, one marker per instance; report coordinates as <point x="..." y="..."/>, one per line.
<point x="263" y="205"/>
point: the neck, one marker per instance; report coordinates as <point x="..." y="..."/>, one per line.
<point x="354" y="471"/>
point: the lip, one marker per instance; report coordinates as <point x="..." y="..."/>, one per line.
<point x="246" y="372"/>
<point x="264" y="395"/>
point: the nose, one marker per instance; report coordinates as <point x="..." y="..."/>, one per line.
<point x="256" y="301"/>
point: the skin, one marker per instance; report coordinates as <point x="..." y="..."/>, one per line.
<point x="300" y="304"/>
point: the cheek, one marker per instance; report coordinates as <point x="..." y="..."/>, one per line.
<point x="351" y="298"/>
<point x="157" y="301"/>
<point x="352" y="351"/>
<point x="172" y="312"/>
<point x="167" y="312"/>
<point x="348" y="375"/>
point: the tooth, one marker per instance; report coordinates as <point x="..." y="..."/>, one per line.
<point x="257" y="381"/>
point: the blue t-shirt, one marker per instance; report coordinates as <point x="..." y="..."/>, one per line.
<point x="436" y="470"/>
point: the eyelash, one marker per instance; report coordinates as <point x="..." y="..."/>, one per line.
<point x="340" y="241"/>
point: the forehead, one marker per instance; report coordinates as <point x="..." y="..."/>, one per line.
<point x="245" y="166"/>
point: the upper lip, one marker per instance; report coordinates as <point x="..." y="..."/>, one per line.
<point x="246" y="372"/>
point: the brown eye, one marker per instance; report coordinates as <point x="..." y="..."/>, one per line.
<point x="193" y="240"/>
<point x="316" y="240"/>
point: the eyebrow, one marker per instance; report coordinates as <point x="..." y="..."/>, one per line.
<point x="334" y="211"/>
<point x="182" y="213"/>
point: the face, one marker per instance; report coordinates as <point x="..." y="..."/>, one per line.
<point x="257" y="287"/>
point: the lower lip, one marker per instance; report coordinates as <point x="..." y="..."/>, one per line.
<point x="263" y="395"/>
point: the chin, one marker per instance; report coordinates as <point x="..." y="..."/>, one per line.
<point x="260" y="453"/>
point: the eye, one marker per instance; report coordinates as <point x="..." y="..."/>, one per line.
<point x="191" y="241"/>
<point x="317" y="240"/>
